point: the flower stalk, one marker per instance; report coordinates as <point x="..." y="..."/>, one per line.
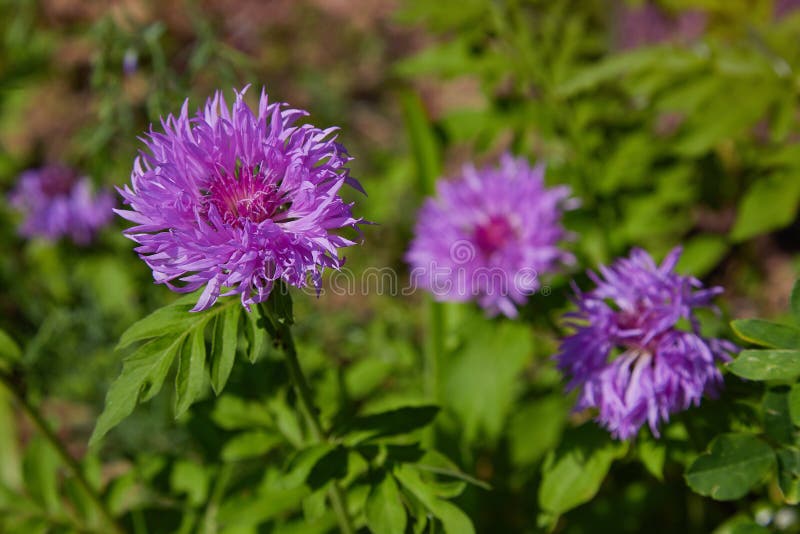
<point x="15" y="387"/>
<point x="305" y="399"/>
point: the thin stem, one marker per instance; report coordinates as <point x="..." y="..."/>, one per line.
<point x="72" y="465"/>
<point x="434" y="348"/>
<point x="306" y="400"/>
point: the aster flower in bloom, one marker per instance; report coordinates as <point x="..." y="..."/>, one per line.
<point x="636" y="353"/>
<point x="490" y="235"/>
<point x="57" y="202"/>
<point x="233" y="200"/>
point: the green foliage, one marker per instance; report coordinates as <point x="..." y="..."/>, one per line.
<point x="734" y="464"/>
<point x="572" y="474"/>
<point x="172" y="333"/>
<point x="434" y="417"/>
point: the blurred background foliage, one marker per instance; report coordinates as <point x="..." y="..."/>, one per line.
<point x="674" y="122"/>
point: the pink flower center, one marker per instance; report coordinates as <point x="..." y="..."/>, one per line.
<point x="494" y="234"/>
<point x="246" y="198"/>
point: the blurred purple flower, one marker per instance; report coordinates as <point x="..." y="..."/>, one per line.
<point x="56" y="202"/>
<point x="636" y="353"/>
<point x="783" y="8"/>
<point x="490" y="235"/>
<point x="649" y="24"/>
<point x="234" y="200"/>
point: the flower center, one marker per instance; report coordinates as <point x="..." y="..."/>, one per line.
<point x="57" y="181"/>
<point x="493" y="234"/>
<point x="247" y="197"/>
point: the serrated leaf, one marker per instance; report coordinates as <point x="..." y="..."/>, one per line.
<point x="174" y="318"/>
<point x="142" y="376"/>
<point x="734" y="464"/>
<point x="190" y="377"/>
<point x="384" y="508"/>
<point x="767" y="334"/>
<point x="572" y="474"/>
<point x="767" y="364"/>
<point x="453" y="519"/>
<point x="225" y="338"/>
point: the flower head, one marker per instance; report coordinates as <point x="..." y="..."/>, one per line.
<point x="57" y="202"/>
<point x="636" y="353"/>
<point x="233" y="200"/>
<point x="489" y="235"/>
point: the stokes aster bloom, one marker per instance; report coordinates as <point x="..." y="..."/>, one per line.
<point x="636" y="353"/>
<point x="489" y="235"/>
<point x="57" y="202"/>
<point x="233" y="199"/>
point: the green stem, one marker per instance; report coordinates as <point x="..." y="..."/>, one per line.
<point x="72" y="465"/>
<point x="306" y="400"/>
<point x="434" y="349"/>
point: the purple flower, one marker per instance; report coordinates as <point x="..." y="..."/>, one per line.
<point x="235" y="199"/>
<point x="57" y="202"/>
<point x="636" y="353"/>
<point x="489" y="236"/>
<point x="649" y="24"/>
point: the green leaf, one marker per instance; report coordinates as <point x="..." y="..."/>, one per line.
<point x="777" y="420"/>
<point x="248" y="510"/>
<point x="652" y="454"/>
<point x="190" y="377"/>
<point x="257" y="332"/>
<point x="480" y="380"/>
<point x="233" y="413"/>
<point x="142" y="376"/>
<point x="610" y="69"/>
<point x="40" y="469"/>
<point x="384" y="508"/>
<point x="169" y="319"/>
<point x="225" y="339"/>
<point x="789" y="474"/>
<point x="767" y="334"/>
<point x="770" y="203"/>
<point x="453" y="519"/>
<point x="424" y="144"/>
<point x="390" y="423"/>
<point x="767" y="364"/>
<point x="572" y="474"/>
<point x="535" y="428"/>
<point x="250" y="445"/>
<point x="734" y="464"/>
<point x="794" y="404"/>
<point x="794" y="302"/>
<point x="9" y="350"/>
<point x="329" y="467"/>
<point x="702" y="253"/>
<point x="192" y="479"/>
